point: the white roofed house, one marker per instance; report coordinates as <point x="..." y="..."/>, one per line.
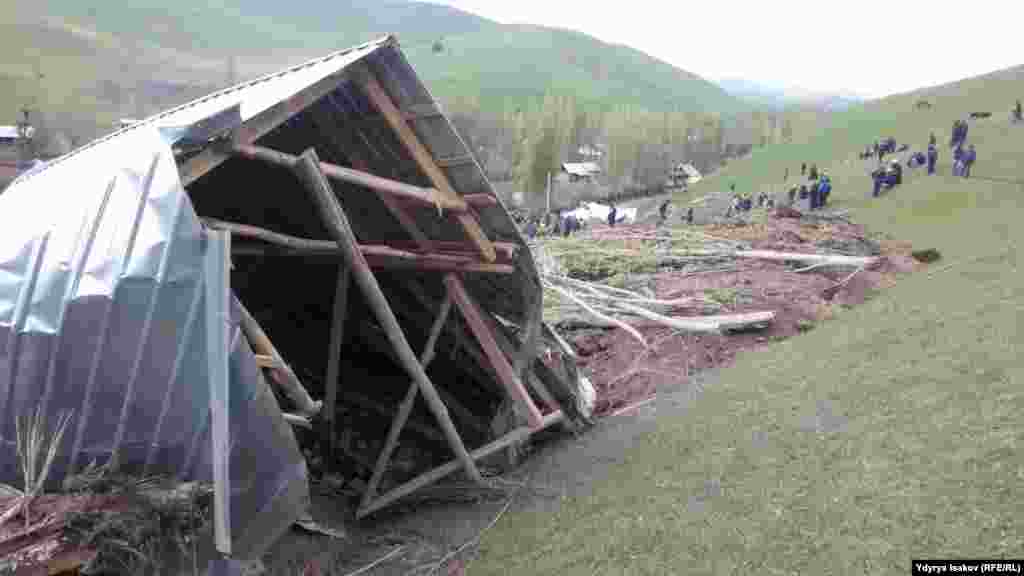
<point x="581" y="171"/>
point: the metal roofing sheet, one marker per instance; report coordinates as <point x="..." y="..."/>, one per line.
<point x="102" y="313"/>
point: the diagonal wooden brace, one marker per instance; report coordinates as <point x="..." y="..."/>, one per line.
<point x="475" y="319"/>
<point x="308" y="170"/>
<point x="405" y="408"/>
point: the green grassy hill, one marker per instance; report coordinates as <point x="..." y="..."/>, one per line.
<point x="926" y="377"/>
<point x="485" y="62"/>
<point x="834" y="141"/>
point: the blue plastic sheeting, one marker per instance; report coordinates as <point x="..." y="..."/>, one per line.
<point x="102" y="312"/>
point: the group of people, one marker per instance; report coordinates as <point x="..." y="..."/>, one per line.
<point x="742" y="203"/>
<point x="886" y="177"/>
<point x="562" y="223"/>
<point x="963" y="159"/>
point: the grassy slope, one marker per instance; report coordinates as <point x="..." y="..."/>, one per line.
<point x="487" y="60"/>
<point x="926" y="375"/>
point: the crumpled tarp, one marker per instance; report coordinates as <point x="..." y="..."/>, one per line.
<point x="102" y="312"/>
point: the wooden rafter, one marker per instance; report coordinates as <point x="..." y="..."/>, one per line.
<point x="308" y="171"/>
<point x="421" y="196"/>
<point x="397" y="210"/>
<point x="379" y="97"/>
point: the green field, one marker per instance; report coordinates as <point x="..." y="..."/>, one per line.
<point x="923" y="384"/>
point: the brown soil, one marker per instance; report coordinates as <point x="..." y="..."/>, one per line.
<point x="623" y="373"/>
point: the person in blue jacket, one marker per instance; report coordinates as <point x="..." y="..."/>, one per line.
<point x="933" y="156"/>
<point x="968" y="160"/>
<point x="824" y="189"/>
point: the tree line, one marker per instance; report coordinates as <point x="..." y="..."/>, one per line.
<point x="640" y="145"/>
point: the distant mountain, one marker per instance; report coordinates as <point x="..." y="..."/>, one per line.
<point x="459" y="55"/>
<point x="781" y="97"/>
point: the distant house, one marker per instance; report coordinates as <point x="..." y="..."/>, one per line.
<point x="589" y="152"/>
<point x="581" y="171"/>
<point x="682" y="174"/>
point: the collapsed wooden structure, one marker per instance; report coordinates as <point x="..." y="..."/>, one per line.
<point x="356" y="199"/>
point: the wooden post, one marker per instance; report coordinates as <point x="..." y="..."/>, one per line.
<point x="333" y="359"/>
<point x="308" y="170"/>
<point x="283" y="374"/>
<point x="405" y="408"/>
<point x="474" y="318"/>
<point x="218" y="344"/>
<point x="376" y="93"/>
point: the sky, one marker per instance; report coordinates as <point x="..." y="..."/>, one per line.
<point x="870" y="48"/>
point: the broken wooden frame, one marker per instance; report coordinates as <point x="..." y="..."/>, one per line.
<point x="308" y="168"/>
<point x="477" y="254"/>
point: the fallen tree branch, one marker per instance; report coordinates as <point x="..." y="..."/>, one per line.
<point x="629" y="329"/>
<point x="377" y="562"/>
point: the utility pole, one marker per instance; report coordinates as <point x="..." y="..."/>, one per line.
<point x="549" y="192"/>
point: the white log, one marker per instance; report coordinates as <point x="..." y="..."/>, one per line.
<point x="632" y="331"/>
<point x="704" y="323"/>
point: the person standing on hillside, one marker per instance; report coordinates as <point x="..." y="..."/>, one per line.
<point x="803" y="169"/>
<point x="663" y="210"/>
<point x="814" y="171"/>
<point x="933" y="156"/>
<point x="1017" y="112"/>
<point x="969" y="157"/>
<point x="612" y="216"/>
<point x="958" y="156"/>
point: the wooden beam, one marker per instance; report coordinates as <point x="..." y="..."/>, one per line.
<point x="218" y="350"/>
<point x="427" y="264"/>
<point x="461" y="342"/>
<point x="418" y="111"/>
<point x="258" y="126"/>
<point x="429" y="477"/>
<point x="389" y="260"/>
<point x="281" y="371"/>
<point x="451" y="161"/>
<point x="333" y="131"/>
<point x="478" y="325"/>
<point x="424" y="159"/>
<point x="506" y="251"/>
<point x="378" y="256"/>
<point x="340" y="312"/>
<point x="480" y="200"/>
<point x="405" y="408"/>
<point x="266" y="361"/>
<point x="407" y="192"/>
<point x="308" y="170"/>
